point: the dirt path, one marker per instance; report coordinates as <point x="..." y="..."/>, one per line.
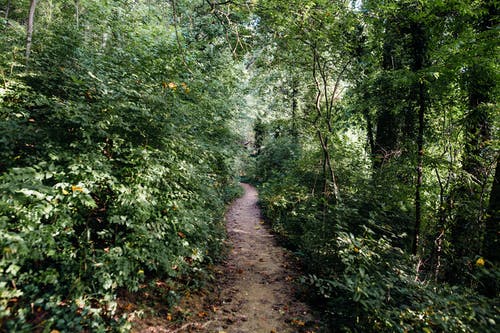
<point x="257" y="295"/>
<point x="254" y="292"/>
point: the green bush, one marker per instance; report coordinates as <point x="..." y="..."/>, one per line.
<point x="355" y="252"/>
<point x="109" y="176"/>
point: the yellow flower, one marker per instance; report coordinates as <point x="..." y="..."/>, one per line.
<point x="75" y="188"/>
<point x="172" y="86"/>
<point x="480" y="262"/>
<point x="356" y="250"/>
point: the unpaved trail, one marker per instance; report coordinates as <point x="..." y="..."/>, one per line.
<point x="257" y="294"/>
<point x="254" y="292"/>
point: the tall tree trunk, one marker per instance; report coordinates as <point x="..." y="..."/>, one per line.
<point x="29" y="29"/>
<point x="420" y="168"/>
<point x="325" y="118"/>
<point x="419" y="46"/>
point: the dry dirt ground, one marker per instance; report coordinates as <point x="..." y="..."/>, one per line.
<point x="255" y="288"/>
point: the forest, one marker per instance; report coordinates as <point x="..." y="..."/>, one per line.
<point x="369" y="127"/>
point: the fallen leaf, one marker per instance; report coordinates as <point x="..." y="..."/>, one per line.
<point x="169" y="316"/>
<point x="202" y="314"/>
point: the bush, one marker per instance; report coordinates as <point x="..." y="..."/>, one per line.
<point x="109" y="177"/>
<point x="355" y="253"/>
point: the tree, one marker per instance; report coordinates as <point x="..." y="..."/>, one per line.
<point x="29" y="28"/>
<point x="314" y="32"/>
<point x="491" y="287"/>
<point x="109" y="176"/>
<point x="479" y="81"/>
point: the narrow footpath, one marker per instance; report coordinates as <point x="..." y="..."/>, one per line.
<point x="254" y="292"/>
<point x="257" y="294"/>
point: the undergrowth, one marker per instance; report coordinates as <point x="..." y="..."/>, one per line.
<point x="355" y="253"/>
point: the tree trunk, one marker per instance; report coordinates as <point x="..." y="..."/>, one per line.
<point x="419" y="46"/>
<point x="294" y="107"/>
<point x="328" y="172"/>
<point x="490" y="286"/>
<point x="7" y="10"/>
<point x="467" y="226"/>
<point x="77" y="14"/>
<point x="29" y="29"/>
<point x="491" y="237"/>
<point x="480" y="83"/>
<point x="369" y="132"/>
<point x="420" y="168"/>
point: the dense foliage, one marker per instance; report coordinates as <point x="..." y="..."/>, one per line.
<point x="116" y="157"/>
<point x="377" y="158"/>
<point x="376" y="150"/>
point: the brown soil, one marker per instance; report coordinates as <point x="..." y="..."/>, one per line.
<point x="255" y="288"/>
